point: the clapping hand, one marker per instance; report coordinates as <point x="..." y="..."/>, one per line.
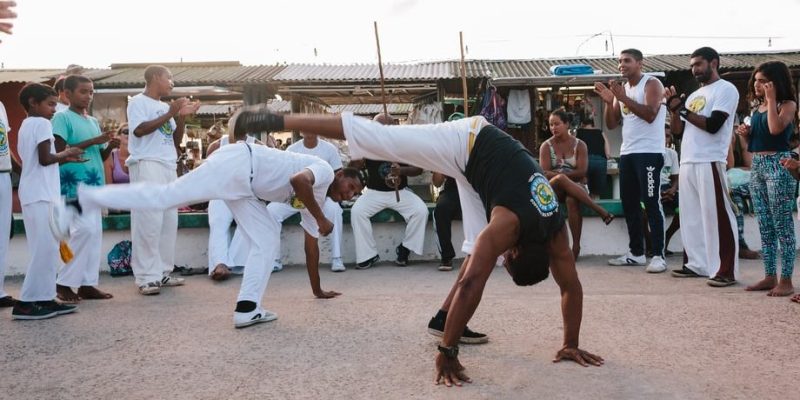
<point x="604" y="92"/>
<point x="674" y="102"/>
<point x="617" y="88"/>
<point x="6" y="13"/>
<point x="189" y="108"/>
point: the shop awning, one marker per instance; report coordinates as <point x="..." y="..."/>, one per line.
<point x="574" y="80"/>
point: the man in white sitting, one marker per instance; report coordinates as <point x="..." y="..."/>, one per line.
<point x="311" y="145"/>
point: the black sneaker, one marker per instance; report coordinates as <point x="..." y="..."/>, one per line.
<point x="29" y="310"/>
<point x="402" y="255"/>
<point x="369" y="263"/>
<point x="685" y="273"/>
<point x="7" y="301"/>
<point x="436" y="328"/>
<point x="59" y="308"/>
<point x="258" y="119"/>
<point x="446" y="264"/>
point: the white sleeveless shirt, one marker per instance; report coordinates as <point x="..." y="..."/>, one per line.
<point x="639" y="136"/>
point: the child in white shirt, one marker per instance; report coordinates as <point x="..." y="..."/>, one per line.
<point x="39" y="187"/>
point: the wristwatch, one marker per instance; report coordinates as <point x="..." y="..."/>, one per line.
<point x="684" y="112"/>
<point x="449" y="352"/>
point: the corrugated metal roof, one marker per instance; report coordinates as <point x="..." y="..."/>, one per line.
<point x="231" y="73"/>
<point x="195" y="75"/>
<point x="217" y="109"/>
<point x="369" y="109"/>
<point x="365" y="72"/>
<point x="28" y="75"/>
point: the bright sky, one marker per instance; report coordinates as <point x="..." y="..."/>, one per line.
<point x="97" y="33"/>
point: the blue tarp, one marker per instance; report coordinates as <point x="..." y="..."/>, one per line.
<point x="572" y="69"/>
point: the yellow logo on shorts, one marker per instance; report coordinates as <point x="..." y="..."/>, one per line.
<point x="697" y="104"/>
<point x="296" y="203"/>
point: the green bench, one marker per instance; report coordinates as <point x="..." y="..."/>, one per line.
<point x="122" y="222"/>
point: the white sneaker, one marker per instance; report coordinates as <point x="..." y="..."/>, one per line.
<point x="277" y="266"/>
<point x="61" y="216"/>
<point x="169" y="280"/>
<point x="337" y="265"/>
<point x="657" y="265"/>
<point x="150" y="288"/>
<point x="628" y="259"/>
<point x="257" y="316"/>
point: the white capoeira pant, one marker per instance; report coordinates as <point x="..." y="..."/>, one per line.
<point x="40" y="276"/>
<point x="333" y="212"/>
<point x="410" y="206"/>
<point x="86" y="242"/>
<point x="227" y="176"/>
<point x="5" y="226"/>
<point x="440" y="148"/>
<point x="153" y="232"/>
<point x="708" y="225"/>
<point x="225" y="245"/>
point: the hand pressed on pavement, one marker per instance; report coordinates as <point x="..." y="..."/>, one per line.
<point x="581" y="357"/>
<point x="449" y="371"/>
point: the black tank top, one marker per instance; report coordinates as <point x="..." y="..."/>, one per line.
<point x="595" y="143"/>
<point x="504" y="173"/>
<point x="376" y="175"/>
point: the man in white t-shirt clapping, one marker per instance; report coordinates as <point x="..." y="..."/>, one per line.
<point x="156" y="132"/>
<point x="311" y="145"/>
<point x="705" y="120"/>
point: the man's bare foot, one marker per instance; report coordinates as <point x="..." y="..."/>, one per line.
<point x="93" y="293"/>
<point x="221" y="272"/>
<point x="795" y="298"/>
<point x="66" y="295"/>
<point x="768" y="283"/>
<point x="783" y="289"/>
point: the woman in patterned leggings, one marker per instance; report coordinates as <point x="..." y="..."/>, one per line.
<point x="772" y="186"/>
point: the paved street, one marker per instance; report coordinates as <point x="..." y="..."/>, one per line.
<point x="662" y="338"/>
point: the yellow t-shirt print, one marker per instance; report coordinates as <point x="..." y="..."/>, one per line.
<point x="697" y="104"/>
<point x="625" y="109"/>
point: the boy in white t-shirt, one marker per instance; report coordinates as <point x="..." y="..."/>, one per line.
<point x="705" y="120"/>
<point x="8" y="162"/>
<point x="153" y="143"/>
<point x="39" y="189"/>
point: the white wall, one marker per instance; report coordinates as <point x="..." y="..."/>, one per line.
<point x="192" y="243"/>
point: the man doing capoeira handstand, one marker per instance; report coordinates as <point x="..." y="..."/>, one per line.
<point x="509" y="209"/>
<point x="244" y="176"/>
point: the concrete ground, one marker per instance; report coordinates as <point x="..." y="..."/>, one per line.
<point x="662" y="338"/>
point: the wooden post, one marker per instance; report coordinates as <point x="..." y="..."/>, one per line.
<point x="383" y="100"/>
<point x="464" y="76"/>
<point x="380" y="69"/>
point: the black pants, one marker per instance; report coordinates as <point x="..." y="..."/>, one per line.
<point x="448" y="208"/>
<point x="639" y="178"/>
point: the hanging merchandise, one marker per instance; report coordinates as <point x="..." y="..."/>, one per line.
<point x="430" y="113"/>
<point x="493" y="107"/>
<point x="519" y="107"/>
